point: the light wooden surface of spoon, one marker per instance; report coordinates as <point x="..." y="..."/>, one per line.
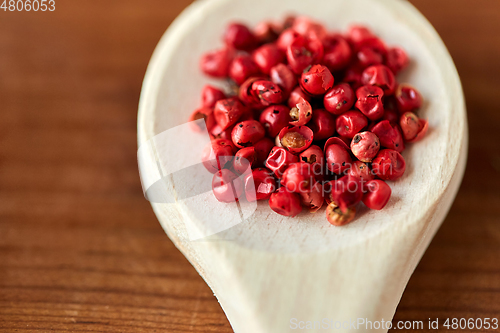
<point x="268" y="269"/>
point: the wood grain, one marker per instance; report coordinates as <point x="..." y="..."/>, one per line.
<point x="80" y="248"/>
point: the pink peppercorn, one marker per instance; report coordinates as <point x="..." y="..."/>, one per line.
<point x="285" y="203"/>
<point x="304" y="52"/>
<point x="267" y="92"/>
<point x="216" y="63"/>
<point x="380" y="76"/>
<point x="362" y="172"/>
<point x="283" y="76"/>
<point x="337" y="51"/>
<point x="247" y="133"/>
<point x="274" y="118"/>
<point x="377" y="195"/>
<point x="345" y="192"/>
<point x="205" y="114"/>
<point x="365" y="146"/>
<point x="301" y="113"/>
<point x="336" y="217"/>
<point x="413" y="128"/>
<point x="226" y="186"/>
<point x="296" y="97"/>
<point x="296" y="139"/>
<point x="216" y="154"/>
<point x="210" y="95"/>
<point x="322" y="124"/>
<point x="227" y="112"/>
<point x="315" y="157"/>
<point x="314" y="199"/>
<point x="389" y="165"/>
<point x="370" y="101"/>
<point x="279" y="159"/>
<point x="244" y="159"/>
<point x="262" y="150"/>
<point x="339" y="99"/>
<point x="238" y="36"/>
<point x="299" y="177"/>
<point x="350" y="123"/>
<point x="337" y="158"/>
<point x="316" y="80"/>
<point x="242" y="67"/>
<point x="389" y="135"/>
<point x="267" y="56"/>
<point x="407" y="98"/>
<point x="259" y="185"/>
<point x="397" y="59"/>
<point x="286" y="38"/>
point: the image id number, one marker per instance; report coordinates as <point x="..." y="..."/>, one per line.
<point x="28" y="5"/>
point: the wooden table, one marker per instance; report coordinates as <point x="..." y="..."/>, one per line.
<point x="80" y="248"/>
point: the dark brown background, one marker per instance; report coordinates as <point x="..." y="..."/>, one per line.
<point x="80" y="248"/>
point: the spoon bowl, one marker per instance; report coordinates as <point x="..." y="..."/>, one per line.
<point x="265" y="269"/>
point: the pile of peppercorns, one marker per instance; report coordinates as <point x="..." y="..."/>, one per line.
<point x="317" y="116"/>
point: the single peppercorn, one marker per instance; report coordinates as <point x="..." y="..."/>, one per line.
<point x="267" y="56"/>
<point x="238" y="36"/>
<point x="259" y="184"/>
<point x="370" y="101"/>
<point x="295" y="139"/>
<point x="227" y="112"/>
<point x="377" y="195"/>
<point x="274" y="118"/>
<point x="337" y="51"/>
<point x="413" y="128"/>
<point x="345" y="192"/>
<point x="267" y="92"/>
<point x="262" y="150"/>
<point x="244" y="160"/>
<point x="337" y="158"/>
<point x="380" y="76"/>
<point x="316" y="80"/>
<point x="367" y="56"/>
<point x="299" y="177"/>
<point x="242" y="67"/>
<point x="365" y="146"/>
<point x="285" y="203"/>
<point x="283" y="76"/>
<point x="339" y="99"/>
<point x="408" y="98"/>
<point x="350" y="123"/>
<point x="315" y="157"/>
<point x="203" y="113"/>
<point x="227" y="186"/>
<point x="362" y="172"/>
<point x="313" y="199"/>
<point x="322" y="124"/>
<point x="336" y="217"/>
<point x="389" y="165"/>
<point x="301" y="113"/>
<point x="217" y="154"/>
<point x="397" y="59"/>
<point x="296" y="96"/>
<point x="389" y="135"/>
<point x="304" y="52"/>
<point x="266" y="32"/>
<point x="210" y="95"/>
<point x="309" y="28"/>
<point x="216" y="63"/>
<point x="279" y="159"/>
<point x="286" y="38"/>
<point x="247" y="133"/>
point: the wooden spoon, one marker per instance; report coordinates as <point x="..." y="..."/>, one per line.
<point x="270" y="272"/>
